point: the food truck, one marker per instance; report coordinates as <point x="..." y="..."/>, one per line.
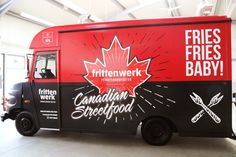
<point x="167" y="75"/>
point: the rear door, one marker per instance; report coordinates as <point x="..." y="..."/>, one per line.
<point x="45" y="86"/>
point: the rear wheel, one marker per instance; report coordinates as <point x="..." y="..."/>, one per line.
<point x="25" y="124"/>
<point x="156" y="131"/>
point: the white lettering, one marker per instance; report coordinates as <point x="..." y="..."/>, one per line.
<point x="203" y="68"/>
<point x="47" y="95"/>
<point x="116" y="73"/>
<point x="82" y="109"/>
<point x="203" y="52"/>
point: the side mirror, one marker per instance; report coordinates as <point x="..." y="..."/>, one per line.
<point x="28" y="64"/>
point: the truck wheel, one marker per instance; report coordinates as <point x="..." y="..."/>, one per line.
<point x="25" y="124"/>
<point x="156" y="131"/>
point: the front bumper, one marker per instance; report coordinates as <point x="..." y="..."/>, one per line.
<point x="4" y="117"/>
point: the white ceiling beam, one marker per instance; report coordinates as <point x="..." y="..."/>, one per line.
<point x="176" y="8"/>
<point x="61" y="6"/>
<point x="16" y="15"/>
<point x="173" y="8"/>
<point x="230" y="7"/>
<point x="167" y="2"/>
<point x="217" y="7"/>
<point x="117" y="2"/>
<point x="137" y="7"/>
<point x="215" y="3"/>
<point x="67" y="5"/>
<point x="6" y="6"/>
<point x="37" y="19"/>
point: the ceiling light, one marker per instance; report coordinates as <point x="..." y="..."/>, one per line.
<point x="146" y="2"/>
<point x="69" y="4"/>
<point x="36" y="19"/>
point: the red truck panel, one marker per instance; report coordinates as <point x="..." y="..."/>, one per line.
<point x="172" y="56"/>
<point x="181" y="49"/>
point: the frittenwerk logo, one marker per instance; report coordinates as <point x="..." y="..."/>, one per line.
<point x="116" y="71"/>
<point x="116" y="79"/>
<point x="47" y="95"/>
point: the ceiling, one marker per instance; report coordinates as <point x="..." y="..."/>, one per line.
<point x="62" y="12"/>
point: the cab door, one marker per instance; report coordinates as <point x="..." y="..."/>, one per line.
<point x="45" y="87"/>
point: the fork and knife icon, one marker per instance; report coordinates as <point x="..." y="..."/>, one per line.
<point x="206" y="108"/>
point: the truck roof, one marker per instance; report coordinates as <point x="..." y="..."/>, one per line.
<point x="49" y="37"/>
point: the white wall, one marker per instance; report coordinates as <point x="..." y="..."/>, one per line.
<point x="234" y="40"/>
<point x="234" y="74"/>
<point x="16" y="35"/>
<point x="234" y="56"/>
<point x="15" y="38"/>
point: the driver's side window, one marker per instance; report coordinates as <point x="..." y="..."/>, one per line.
<point x="45" y="67"/>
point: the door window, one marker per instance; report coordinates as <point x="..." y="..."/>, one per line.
<point x="45" y="67"/>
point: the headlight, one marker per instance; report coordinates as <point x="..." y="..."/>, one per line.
<point x="10" y="100"/>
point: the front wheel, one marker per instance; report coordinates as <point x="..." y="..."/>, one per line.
<point x="25" y="124"/>
<point x="156" y="131"/>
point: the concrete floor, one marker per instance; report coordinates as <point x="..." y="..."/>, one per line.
<point x="68" y="144"/>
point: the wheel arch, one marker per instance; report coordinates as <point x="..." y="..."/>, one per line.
<point x="170" y="122"/>
<point x="14" y="112"/>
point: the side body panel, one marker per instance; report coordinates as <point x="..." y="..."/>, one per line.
<point x="115" y="75"/>
<point x="180" y="67"/>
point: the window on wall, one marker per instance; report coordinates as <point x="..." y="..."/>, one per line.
<point x="15" y="62"/>
<point x="1" y="72"/>
<point x="1" y="77"/>
<point x="45" y="67"/>
<point x="234" y="76"/>
<point x="12" y="70"/>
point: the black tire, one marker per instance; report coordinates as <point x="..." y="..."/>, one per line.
<point x="25" y="124"/>
<point x="233" y="138"/>
<point x="156" y="131"/>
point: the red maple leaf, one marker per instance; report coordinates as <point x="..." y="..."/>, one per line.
<point x="115" y="71"/>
